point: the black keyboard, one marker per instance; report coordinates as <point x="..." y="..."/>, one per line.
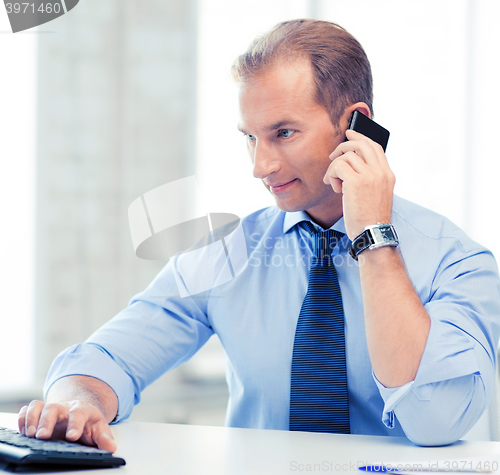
<point x="20" y="453"/>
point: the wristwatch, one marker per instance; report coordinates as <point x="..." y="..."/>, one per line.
<point x="372" y="237"/>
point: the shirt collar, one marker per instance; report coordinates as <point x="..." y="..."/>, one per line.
<point x="295" y="217"/>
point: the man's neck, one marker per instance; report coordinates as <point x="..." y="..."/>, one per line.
<point x="325" y="222"/>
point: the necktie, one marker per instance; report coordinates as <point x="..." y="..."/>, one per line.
<point x="318" y="390"/>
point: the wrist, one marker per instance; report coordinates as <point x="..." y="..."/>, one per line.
<point x="373" y="237"/>
<point x="379" y="257"/>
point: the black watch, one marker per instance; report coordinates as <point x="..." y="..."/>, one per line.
<point x="377" y="235"/>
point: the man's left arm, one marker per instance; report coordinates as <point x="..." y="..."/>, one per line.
<point x="397" y="324"/>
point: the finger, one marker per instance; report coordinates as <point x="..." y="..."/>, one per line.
<point x="331" y="178"/>
<point x="331" y="175"/>
<point x="364" y="148"/>
<point x="21" y="419"/>
<point x="32" y="417"/>
<point x="355" y="161"/>
<point x="353" y="135"/>
<point x="339" y="170"/>
<point x="104" y="438"/>
<point x="88" y="425"/>
<point x="371" y="151"/>
<point x="78" y="416"/>
<point x="368" y="144"/>
<point x="348" y="145"/>
<point x="344" y="170"/>
<point x="336" y="184"/>
<point x="50" y="416"/>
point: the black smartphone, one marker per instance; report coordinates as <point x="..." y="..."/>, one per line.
<point x="364" y="125"/>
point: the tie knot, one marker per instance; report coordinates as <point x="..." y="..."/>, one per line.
<point x="325" y="241"/>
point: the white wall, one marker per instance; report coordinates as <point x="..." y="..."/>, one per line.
<point x="17" y="195"/>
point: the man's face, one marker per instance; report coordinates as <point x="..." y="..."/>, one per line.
<point x="289" y="138"/>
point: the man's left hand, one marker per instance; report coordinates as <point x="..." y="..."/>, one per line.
<point x="359" y="170"/>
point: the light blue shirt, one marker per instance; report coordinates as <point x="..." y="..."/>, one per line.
<point x="252" y="302"/>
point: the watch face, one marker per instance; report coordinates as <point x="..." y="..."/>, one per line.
<point x="383" y="235"/>
<point x="387" y="233"/>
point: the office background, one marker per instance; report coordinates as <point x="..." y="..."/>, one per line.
<point x="119" y="97"/>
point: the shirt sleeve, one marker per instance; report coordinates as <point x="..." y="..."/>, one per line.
<point x="157" y="331"/>
<point x="455" y="379"/>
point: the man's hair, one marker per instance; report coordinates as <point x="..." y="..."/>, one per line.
<point x="342" y="72"/>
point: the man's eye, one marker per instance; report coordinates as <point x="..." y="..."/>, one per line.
<point x="285" y="133"/>
<point x="249" y="137"/>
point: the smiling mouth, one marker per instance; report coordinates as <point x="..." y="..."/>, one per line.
<point x="281" y="187"/>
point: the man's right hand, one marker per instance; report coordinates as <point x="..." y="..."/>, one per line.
<point x="75" y="421"/>
<point x="78" y="409"/>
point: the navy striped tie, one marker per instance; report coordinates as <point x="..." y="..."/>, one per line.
<point x="318" y="391"/>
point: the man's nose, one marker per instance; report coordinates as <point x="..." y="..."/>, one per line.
<point x="265" y="160"/>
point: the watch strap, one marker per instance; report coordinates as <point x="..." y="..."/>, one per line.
<point x="360" y="243"/>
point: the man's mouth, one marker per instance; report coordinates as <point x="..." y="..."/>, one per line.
<point x="279" y="187"/>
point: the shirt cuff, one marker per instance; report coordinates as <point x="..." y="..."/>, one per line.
<point x="391" y="397"/>
<point x="92" y="360"/>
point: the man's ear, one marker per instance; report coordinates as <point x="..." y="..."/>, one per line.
<point x="358" y="106"/>
<point x="361" y="107"/>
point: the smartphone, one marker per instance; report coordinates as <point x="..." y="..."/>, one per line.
<point x="369" y="128"/>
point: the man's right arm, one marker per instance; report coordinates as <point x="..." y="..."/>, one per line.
<point x="77" y="408"/>
<point x="99" y="381"/>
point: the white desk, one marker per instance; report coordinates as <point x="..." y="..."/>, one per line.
<point x="151" y="449"/>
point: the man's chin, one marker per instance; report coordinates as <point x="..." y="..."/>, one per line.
<point x="289" y="207"/>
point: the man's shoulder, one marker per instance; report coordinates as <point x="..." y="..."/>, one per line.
<point x="258" y="221"/>
<point x="412" y="219"/>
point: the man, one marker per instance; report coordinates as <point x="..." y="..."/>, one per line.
<point x="419" y="321"/>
